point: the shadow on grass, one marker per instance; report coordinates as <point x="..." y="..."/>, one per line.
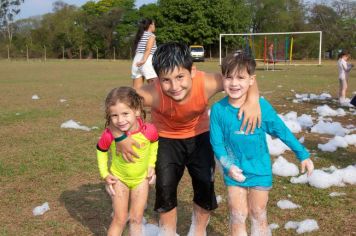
<point x="91" y="206"/>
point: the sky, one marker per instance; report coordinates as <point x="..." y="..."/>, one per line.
<point x="39" y="7"/>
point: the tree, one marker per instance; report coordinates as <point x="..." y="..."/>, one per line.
<point x="276" y="15"/>
<point x="108" y="23"/>
<point x="201" y="21"/>
<point x="346" y="10"/>
<point x="8" y="10"/>
<point x="324" y="18"/>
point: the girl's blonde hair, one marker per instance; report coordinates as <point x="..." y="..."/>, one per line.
<point x="126" y="95"/>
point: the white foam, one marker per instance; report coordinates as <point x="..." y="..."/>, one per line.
<point x="304" y="226"/>
<point x="40" y="210"/>
<point x="336" y="194"/>
<point x="286" y="204"/>
<point x="284" y="168"/>
<point x="35" y="97"/>
<point x="334" y="128"/>
<point x="275" y="146"/>
<point x="325" y="110"/>
<point x="71" y="124"/>
<point x="328" y="177"/>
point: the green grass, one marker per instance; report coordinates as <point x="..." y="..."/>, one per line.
<point x="41" y="162"/>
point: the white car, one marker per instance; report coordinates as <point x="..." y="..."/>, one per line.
<point x="197" y="52"/>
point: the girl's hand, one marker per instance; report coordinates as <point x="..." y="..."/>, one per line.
<point x="151" y="175"/>
<point x="236" y="174"/>
<point x="140" y="63"/>
<point x="125" y="148"/>
<point x="307" y="163"/>
<point x="110" y="181"/>
<point x="252" y="116"/>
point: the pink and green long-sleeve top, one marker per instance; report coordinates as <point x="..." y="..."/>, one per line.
<point x="130" y="173"/>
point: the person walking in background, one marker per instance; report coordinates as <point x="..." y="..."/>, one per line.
<point x="245" y="158"/>
<point x="270" y="53"/>
<point x="344" y="70"/>
<point x="144" y="46"/>
<point x="127" y="181"/>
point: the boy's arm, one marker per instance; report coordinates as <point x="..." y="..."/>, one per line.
<point x="217" y="140"/>
<point x="149" y="94"/>
<point x="213" y="84"/>
<point x="274" y="126"/>
<point x="251" y="110"/>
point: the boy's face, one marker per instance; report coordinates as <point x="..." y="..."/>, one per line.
<point x="237" y="84"/>
<point x="177" y="83"/>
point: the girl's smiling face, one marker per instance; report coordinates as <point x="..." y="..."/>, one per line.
<point x="123" y="117"/>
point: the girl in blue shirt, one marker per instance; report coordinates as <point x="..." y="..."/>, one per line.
<point x="245" y="158"/>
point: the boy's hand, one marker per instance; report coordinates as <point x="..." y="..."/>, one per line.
<point x="151" y="175"/>
<point x="252" y="116"/>
<point x="236" y="174"/>
<point x="307" y="163"/>
<point x="125" y="148"/>
<point x="110" y="181"/>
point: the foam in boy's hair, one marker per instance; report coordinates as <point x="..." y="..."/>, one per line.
<point x="172" y="55"/>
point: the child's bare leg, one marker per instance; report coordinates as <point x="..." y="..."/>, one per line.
<point x="168" y="223"/>
<point x="138" y="201"/>
<point x="257" y="203"/>
<point x="120" y="204"/>
<point x="237" y="198"/>
<point x="200" y="220"/>
<point x="342" y="91"/>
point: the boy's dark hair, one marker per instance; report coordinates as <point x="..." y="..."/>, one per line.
<point x="171" y="55"/>
<point x="236" y="62"/>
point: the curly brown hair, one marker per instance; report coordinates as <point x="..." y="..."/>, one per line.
<point x="126" y="95"/>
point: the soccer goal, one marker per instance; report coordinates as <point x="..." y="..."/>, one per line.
<point x="281" y="48"/>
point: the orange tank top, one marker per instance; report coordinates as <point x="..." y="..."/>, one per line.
<point x="182" y="120"/>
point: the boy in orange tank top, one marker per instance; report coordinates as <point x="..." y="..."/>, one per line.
<point x="179" y="103"/>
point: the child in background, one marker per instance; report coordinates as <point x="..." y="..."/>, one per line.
<point x="124" y="181"/>
<point x="245" y="158"/>
<point x="344" y="70"/>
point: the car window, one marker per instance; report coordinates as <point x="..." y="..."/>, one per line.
<point x="197" y="49"/>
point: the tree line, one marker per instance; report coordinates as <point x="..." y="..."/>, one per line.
<point x="106" y="28"/>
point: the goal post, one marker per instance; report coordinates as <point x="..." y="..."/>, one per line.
<point x="285" y="45"/>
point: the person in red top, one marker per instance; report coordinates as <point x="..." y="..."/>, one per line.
<point x="179" y="109"/>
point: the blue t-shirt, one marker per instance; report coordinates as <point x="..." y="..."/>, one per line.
<point x="248" y="152"/>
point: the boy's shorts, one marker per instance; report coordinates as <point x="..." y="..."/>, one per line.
<point x="145" y="70"/>
<point x="173" y="156"/>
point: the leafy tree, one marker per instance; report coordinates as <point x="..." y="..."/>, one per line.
<point x="325" y="18"/>
<point x="201" y="21"/>
<point x="276" y="15"/>
<point x="8" y="10"/>
<point x="346" y="24"/>
<point x="107" y="22"/>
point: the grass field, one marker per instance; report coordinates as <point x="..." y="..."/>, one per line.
<point x="41" y="162"/>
